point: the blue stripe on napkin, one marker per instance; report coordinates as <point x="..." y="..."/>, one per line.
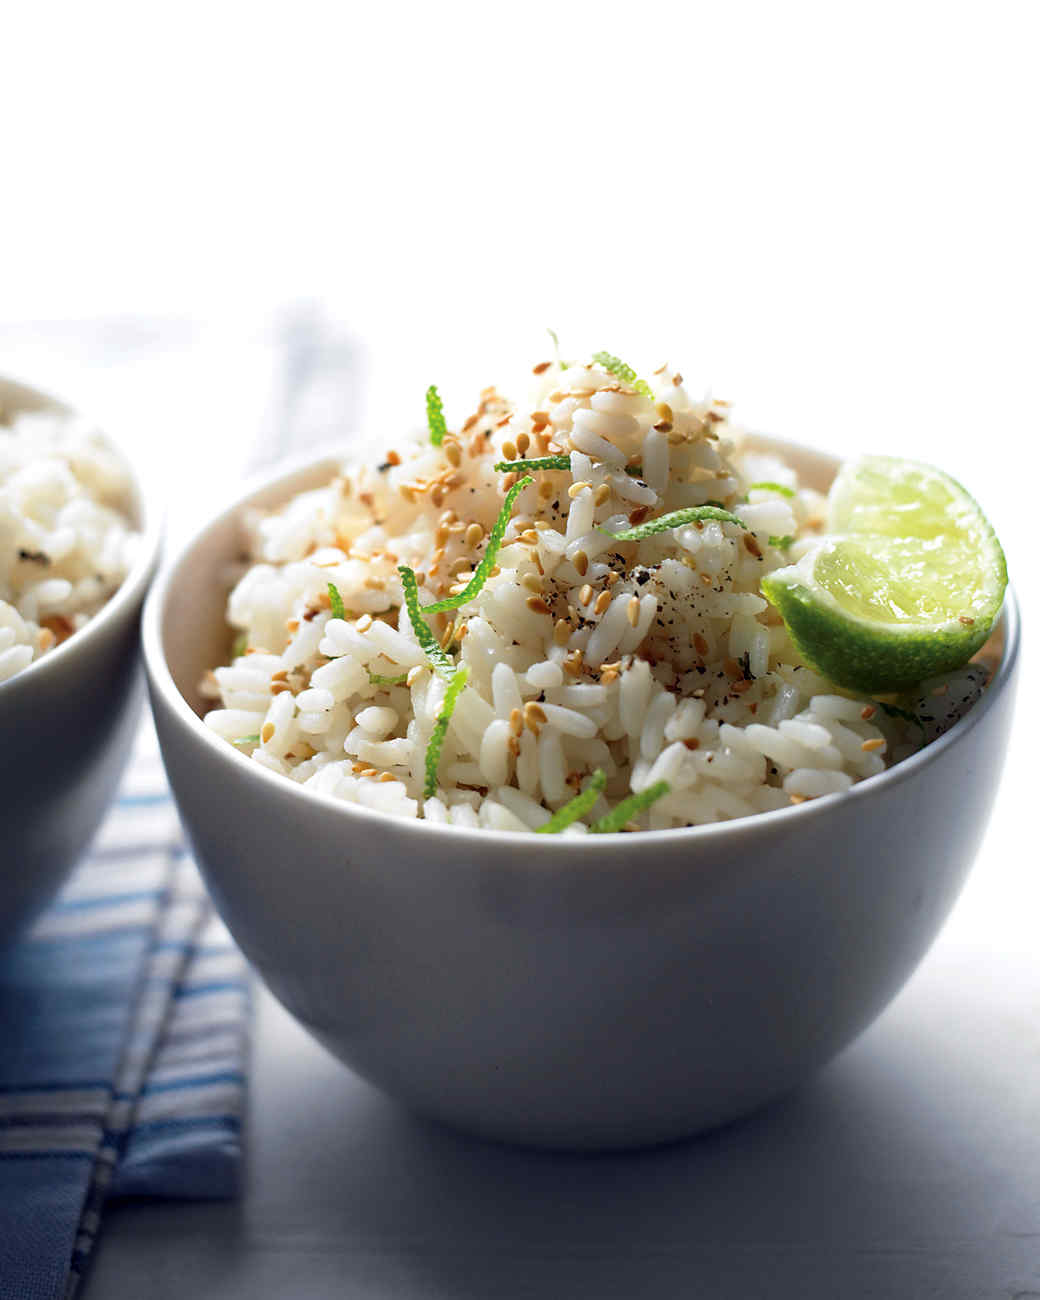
<point x="123" y="1052"/>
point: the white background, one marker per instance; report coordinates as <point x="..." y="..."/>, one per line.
<point x="828" y="213"/>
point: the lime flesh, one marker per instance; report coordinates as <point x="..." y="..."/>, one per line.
<point x="906" y="584"/>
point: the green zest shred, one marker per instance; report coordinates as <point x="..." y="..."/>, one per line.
<point x="541" y="462"/>
<point x="247" y="740"/>
<point x="781" y="543"/>
<point x="336" y="602"/>
<point x="377" y="679"/>
<point x="556" y="344"/>
<point x="894" y="711"/>
<point x="772" y="487"/>
<point x="483" y="569"/>
<point x="625" y="373"/>
<point x="677" y="519"/>
<point x="618" y="818"/>
<point x="575" y="808"/>
<point x="440" y="728"/>
<point x="239" y="645"/>
<point x="440" y="662"/>
<point x="435" y="415"/>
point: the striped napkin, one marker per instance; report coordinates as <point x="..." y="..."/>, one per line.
<point x="123" y="1042"/>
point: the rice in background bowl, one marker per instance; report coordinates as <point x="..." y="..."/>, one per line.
<point x="67" y="538"/>
<point x="652" y="660"/>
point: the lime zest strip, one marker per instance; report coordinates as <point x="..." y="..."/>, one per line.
<point x="336" y="602"/>
<point x="440" y="662"/>
<point x="435" y="416"/>
<point x="540" y="462"/>
<point x="623" y="372"/>
<point x="247" y="740"/>
<point x="767" y="486"/>
<point x="377" y="679"/>
<point x="556" y="344"/>
<point x="440" y="729"/>
<point x="677" y="519"/>
<point x="240" y="645"/>
<point x="781" y="543"/>
<point x="483" y="569"/>
<point x="575" y="808"/>
<point x="894" y="711"/>
<point x="618" y="818"/>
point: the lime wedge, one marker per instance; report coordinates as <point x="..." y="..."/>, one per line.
<point x="905" y="585"/>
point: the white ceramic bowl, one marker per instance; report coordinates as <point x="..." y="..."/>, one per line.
<point x="67" y="724"/>
<point x="599" y="992"/>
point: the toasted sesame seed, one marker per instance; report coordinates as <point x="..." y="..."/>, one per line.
<point x="534" y="716"/>
<point x="581" y="562"/>
<point x="545" y="489"/>
<point x="516" y="721"/>
<point x="537" y="604"/>
<point x="278" y="688"/>
<point x="601" y="494"/>
<point x="375" y="584"/>
<point x="508" y="480"/>
<point x="414" y="674"/>
<point x="585" y="595"/>
<point x="612" y="579"/>
<point x="607" y="676"/>
<point x="867" y="712"/>
<point x="531" y="583"/>
<point x="677" y="379"/>
<point x="541" y="367"/>
<point x="542" y="417"/>
<point x="632" y="610"/>
<point x="280" y="676"/>
<point x="393" y="458"/>
<point x="664" y="426"/>
<point x="460" y="631"/>
<point x="386" y="776"/>
<point x="447" y="636"/>
<point x="474" y="535"/>
<point x="293" y="625"/>
<point x="363" y="623"/>
<point x="968" y="622"/>
<point x="707" y="579"/>
<point x="638" y="515"/>
<point x="750" y="544"/>
<point x="502" y="423"/>
<point x="561" y="632"/>
<point x="572" y="663"/>
<point x="576" y="489"/>
<point x="664" y="411"/>
<point x="870" y="746"/>
<point x="523" y="441"/>
<point x="266" y="732"/>
<point x="602" y="602"/>
<point x="509" y="450"/>
<point x="452" y="452"/>
<point x="470" y="423"/>
<point x="700" y="644"/>
<point x="798" y="798"/>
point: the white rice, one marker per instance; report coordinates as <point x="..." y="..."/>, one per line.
<point x="655" y="660"/>
<point x="66" y="537"/>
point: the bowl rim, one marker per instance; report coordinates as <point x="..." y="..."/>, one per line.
<point x="152" y="527"/>
<point x="162" y="684"/>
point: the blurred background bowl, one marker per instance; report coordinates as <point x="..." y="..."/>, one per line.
<point x="67" y="721"/>
<point x="602" y="992"/>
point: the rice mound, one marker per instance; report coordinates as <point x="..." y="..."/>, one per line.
<point x="66" y="536"/>
<point x="651" y="660"/>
